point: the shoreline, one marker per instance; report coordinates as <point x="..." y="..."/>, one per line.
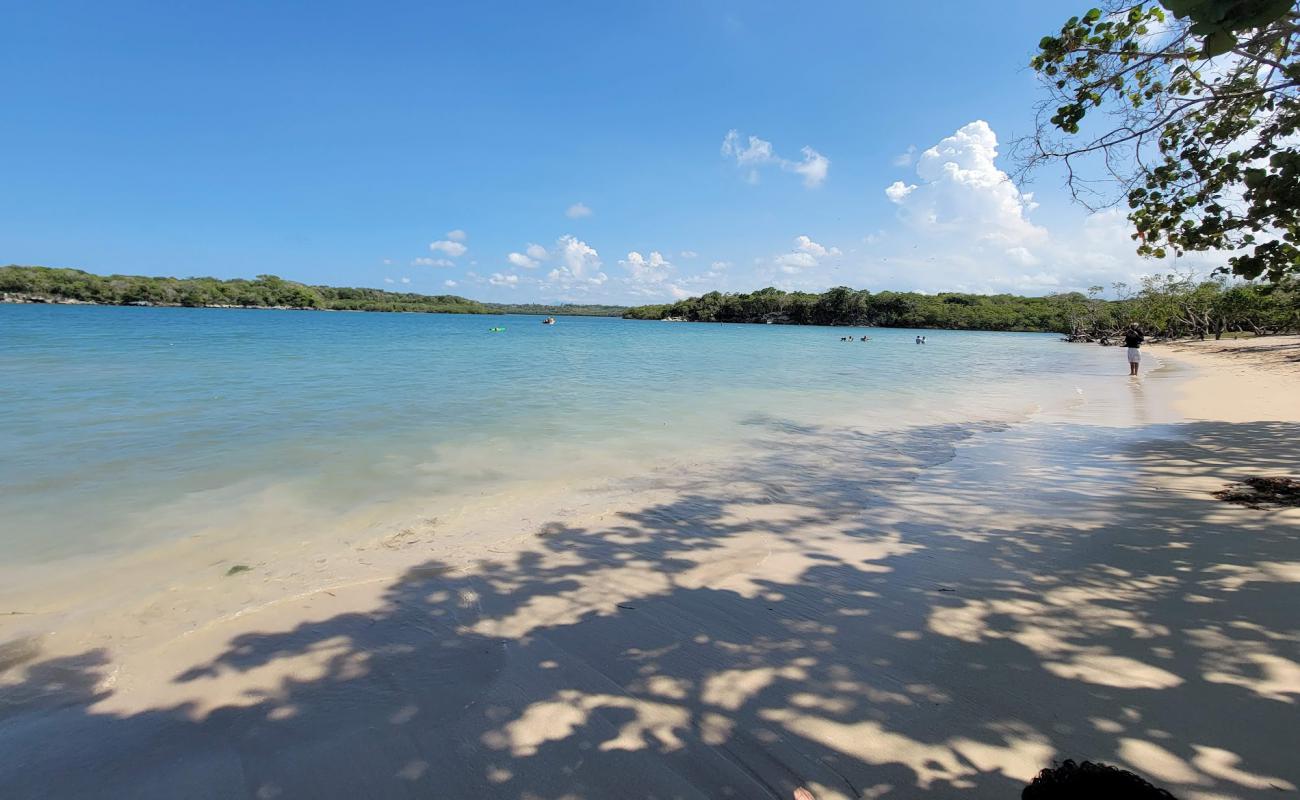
<point x="982" y="598"/>
<point x="1241" y="380"/>
<point x="50" y="300"/>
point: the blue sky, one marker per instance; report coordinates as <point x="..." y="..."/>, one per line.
<point x="334" y="142"/>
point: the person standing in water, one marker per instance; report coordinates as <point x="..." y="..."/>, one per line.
<point x="1133" y="340"/>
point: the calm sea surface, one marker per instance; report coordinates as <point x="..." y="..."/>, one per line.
<point x="124" y="427"/>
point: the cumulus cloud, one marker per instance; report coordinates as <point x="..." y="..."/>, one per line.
<point x="579" y="268"/>
<point x="792" y="263"/>
<point x="450" y="247"/>
<point x="432" y="262"/>
<point x="536" y="252"/>
<point x="807" y="245"/>
<point x="521" y="260"/>
<point x="962" y="190"/>
<point x="389" y="280"/>
<point x="449" y="283"/>
<point x="579" y="257"/>
<point x="805" y="255"/>
<point x="752" y="153"/>
<point x="406" y="280"/>
<point x="1022" y="256"/>
<point x="500" y="279"/>
<point x="577" y="211"/>
<point x="688" y="254"/>
<point x="898" y="191"/>
<point x="654" y="276"/>
<point x="457" y="235"/>
<point x="652" y="269"/>
<point x="965" y="226"/>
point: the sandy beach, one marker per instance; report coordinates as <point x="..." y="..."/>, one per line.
<point x="934" y="611"/>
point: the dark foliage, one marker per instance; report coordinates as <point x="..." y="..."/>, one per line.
<point x="1089" y="781"/>
<point x="1263" y="492"/>
<point x="265" y="291"/>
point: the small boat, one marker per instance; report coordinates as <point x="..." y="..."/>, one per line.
<point x="549" y="321"/>
<point x="496" y="330"/>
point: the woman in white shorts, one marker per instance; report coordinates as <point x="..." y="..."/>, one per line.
<point x="1133" y="339"/>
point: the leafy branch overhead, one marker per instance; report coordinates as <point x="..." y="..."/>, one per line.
<point x="1189" y="109"/>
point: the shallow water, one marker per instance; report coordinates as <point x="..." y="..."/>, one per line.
<point x="123" y="428"/>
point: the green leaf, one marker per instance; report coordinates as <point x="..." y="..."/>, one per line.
<point x="1218" y="43"/>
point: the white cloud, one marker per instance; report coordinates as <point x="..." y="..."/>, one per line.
<point x="898" y="191"/>
<point x="1022" y="256"/>
<point x="432" y="262"/>
<point x="753" y="153"/>
<point x="577" y="211"/>
<point x="905" y="158"/>
<point x="457" y="235"/>
<point x="388" y="261"/>
<point x="406" y="280"/>
<point x="962" y="189"/>
<point x="499" y="279"/>
<point x="449" y="283"/>
<point x="792" y="263"/>
<point x="803" y="259"/>
<point x="389" y="280"/>
<point x="536" y="252"/>
<point x="813" y="168"/>
<point x="965" y="226"/>
<point x="688" y="254"/>
<point x="578" y="256"/>
<point x="652" y="276"/>
<point x="807" y="245"/>
<point x="521" y="260"/>
<point x="757" y="151"/>
<point x="719" y="265"/>
<point x="580" y="266"/>
<point x="647" y="270"/>
<point x="452" y="248"/>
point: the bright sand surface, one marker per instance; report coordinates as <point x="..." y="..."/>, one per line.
<point x="936" y="610"/>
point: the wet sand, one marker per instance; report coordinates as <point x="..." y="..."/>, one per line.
<point x="937" y="610"/>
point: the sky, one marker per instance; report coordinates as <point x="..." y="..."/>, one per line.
<point x="630" y="152"/>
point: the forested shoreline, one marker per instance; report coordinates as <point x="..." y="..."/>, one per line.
<point x="59" y="285"/>
<point x="1166" y="305"/>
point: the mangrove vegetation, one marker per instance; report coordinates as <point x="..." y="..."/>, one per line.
<point x="1168" y="305"/>
<point x="53" y="285"/>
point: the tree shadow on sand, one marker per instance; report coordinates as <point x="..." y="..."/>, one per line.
<point x="887" y="628"/>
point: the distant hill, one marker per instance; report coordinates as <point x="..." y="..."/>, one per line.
<point x="570" y="310"/>
<point x="53" y="285"/>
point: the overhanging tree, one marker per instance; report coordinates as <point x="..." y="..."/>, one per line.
<point x="1187" y="110"/>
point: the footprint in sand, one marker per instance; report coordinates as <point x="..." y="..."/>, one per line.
<point x="409" y="536"/>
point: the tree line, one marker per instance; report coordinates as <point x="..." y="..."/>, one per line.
<point x="1166" y="305"/>
<point x="265" y="291"/>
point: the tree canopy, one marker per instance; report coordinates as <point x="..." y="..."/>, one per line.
<point x="1186" y="110"/>
<point x="41" y="283"/>
<point x="1171" y="305"/>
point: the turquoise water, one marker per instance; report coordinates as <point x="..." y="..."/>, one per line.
<point x="127" y="426"/>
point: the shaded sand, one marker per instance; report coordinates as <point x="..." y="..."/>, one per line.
<point x="934" y="611"/>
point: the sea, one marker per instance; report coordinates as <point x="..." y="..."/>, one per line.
<point x="127" y="430"/>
